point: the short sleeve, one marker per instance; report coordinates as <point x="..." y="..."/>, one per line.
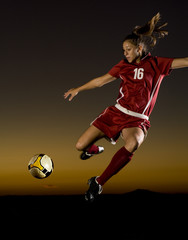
<point x="114" y="72"/>
<point x="164" y="65"/>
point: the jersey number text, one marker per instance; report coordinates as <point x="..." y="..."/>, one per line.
<point x="138" y="73"/>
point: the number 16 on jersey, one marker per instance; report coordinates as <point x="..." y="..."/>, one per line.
<point x="138" y="73"/>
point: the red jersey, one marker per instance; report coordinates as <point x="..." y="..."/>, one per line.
<point x="140" y="82"/>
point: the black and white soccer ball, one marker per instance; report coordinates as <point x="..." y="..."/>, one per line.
<point x="40" y="166"/>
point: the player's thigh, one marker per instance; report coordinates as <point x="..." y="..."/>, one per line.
<point x="133" y="138"/>
<point x="91" y="135"/>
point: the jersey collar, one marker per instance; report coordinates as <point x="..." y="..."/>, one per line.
<point x="145" y="56"/>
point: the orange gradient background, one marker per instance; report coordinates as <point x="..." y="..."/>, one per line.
<point x="47" y="49"/>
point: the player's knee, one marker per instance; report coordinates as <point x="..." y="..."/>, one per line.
<point x="133" y="144"/>
<point x="79" y="146"/>
<point x="136" y="145"/>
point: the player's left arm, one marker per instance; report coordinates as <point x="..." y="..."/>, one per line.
<point x="179" y="63"/>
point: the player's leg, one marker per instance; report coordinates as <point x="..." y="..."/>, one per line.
<point x="133" y="138"/>
<point x="86" y="142"/>
<point x="91" y="135"/>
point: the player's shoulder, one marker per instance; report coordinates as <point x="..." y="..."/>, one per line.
<point x="158" y="60"/>
<point x="122" y="62"/>
<point x="150" y="58"/>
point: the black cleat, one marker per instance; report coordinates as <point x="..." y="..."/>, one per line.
<point x="85" y="155"/>
<point x="94" y="190"/>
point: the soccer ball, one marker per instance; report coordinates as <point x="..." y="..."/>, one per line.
<point x="40" y="166"/>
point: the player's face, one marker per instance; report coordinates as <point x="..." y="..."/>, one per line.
<point x="130" y="51"/>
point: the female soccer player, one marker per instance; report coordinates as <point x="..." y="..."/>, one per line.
<point x="141" y="75"/>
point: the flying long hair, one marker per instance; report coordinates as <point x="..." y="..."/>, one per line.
<point x="148" y="33"/>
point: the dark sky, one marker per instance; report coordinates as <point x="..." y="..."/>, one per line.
<point x="48" y="47"/>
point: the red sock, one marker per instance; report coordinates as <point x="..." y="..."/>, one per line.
<point x="93" y="149"/>
<point x="119" y="160"/>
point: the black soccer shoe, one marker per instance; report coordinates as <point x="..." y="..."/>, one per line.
<point x="94" y="190"/>
<point x="85" y="155"/>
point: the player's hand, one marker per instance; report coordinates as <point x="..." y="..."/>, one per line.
<point x="72" y="92"/>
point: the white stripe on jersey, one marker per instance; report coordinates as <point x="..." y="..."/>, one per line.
<point x="152" y="94"/>
<point x="122" y="95"/>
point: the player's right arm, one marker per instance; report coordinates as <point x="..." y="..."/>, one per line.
<point x="94" y="83"/>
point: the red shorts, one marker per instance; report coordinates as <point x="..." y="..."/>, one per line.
<point x="112" y="121"/>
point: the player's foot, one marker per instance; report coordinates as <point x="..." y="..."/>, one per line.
<point x="86" y="155"/>
<point x="94" y="190"/>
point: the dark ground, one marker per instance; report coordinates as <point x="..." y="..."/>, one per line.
<point x="136" y="215"/>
